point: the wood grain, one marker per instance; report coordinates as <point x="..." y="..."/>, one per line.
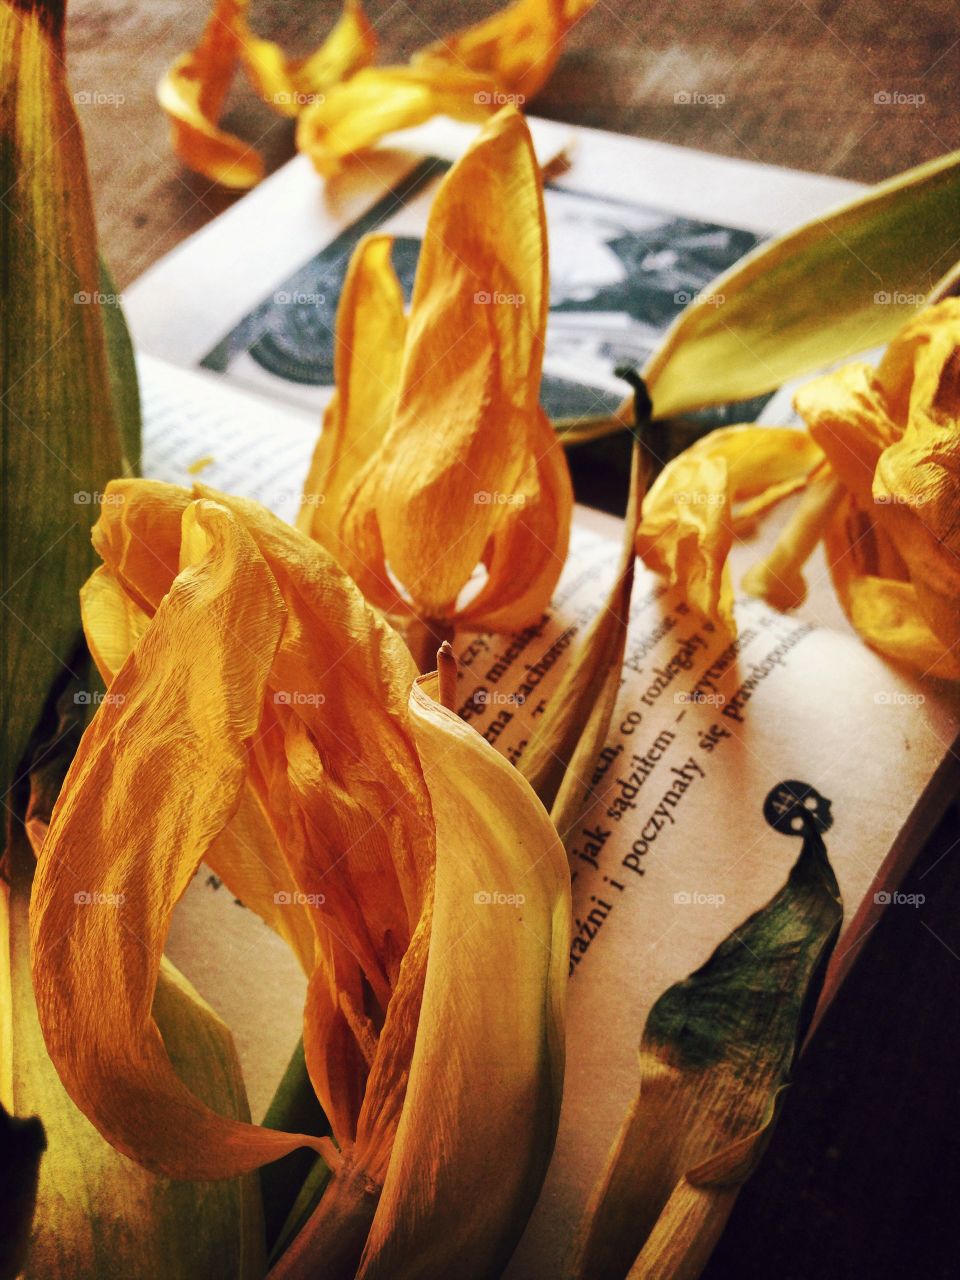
<point x="798" y="81"/>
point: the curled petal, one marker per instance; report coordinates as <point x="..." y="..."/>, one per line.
<point x="518" y="46"/>
<point x="194" y="89"/>
<point x="333" y="766"/>
<point x="379" y="100"/>
<point x="847" y="418"/>
<point x="290" y="84"/>
<point x="688" y="542"/>
<point x="917" y="481"/>
<point x="125" y="838"/>
<point x="886" y="612"/>
<point x="689" y="515"/>
<point x="487" y="1068"/>
<point x="371" y="328"/>
<point x="526" y="554"/>
<point x="505" y="58"/>
<point x="778" y="578"/>
<point x="113" y="623"/>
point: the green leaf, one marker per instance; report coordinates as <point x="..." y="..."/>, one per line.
<point x="830" y="289"/>
<point x="61" y="441"/>
<point x="294" y="1108"/>
<point x="124" y="386"/>
<point x="715" y="1057"/>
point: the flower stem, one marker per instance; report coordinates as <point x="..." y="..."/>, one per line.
<point x="333" y="1238"/>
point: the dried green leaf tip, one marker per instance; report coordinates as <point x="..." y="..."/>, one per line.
<point x="746" y="1005"/>
<point x="715" y="1057"/>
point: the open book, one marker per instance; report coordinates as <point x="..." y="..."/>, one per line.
<point x="673" y="850"/>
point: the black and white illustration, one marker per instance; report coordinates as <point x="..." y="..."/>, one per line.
<point x="620" y="274"/>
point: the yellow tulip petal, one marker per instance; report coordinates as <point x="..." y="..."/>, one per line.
<point x="290" y="84"/>
<point x="526" y="554"/>
<point x="435" y="458"/>
<point x="113" y="623"/>
<point x="917" y="481"/>
<point x="688" y="541"/>
<point x="194" y="90"/>
<point x="456" y="451"/>
<point x="518" y="46"/>
<point x="456" y="1076"/>
<point x="845" y="415"/>
<point x="686" y="529"/>
<point x="333" y="764"/>
<point x="487" y="1068"/>
<point x="125" y="838"/>
<point x="918" y="371"/>
<point x="245" y="855"/>
<point x="885" y="612"/>
<point x="379" y="100"/>
<point x="368" y="351"/>
<point x="504" y="59"/>
<point x="888" y="616"/>
<point x="339" y="1058"/>
<point x="778" y="578"/>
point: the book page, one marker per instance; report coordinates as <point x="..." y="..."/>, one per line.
<point x="672" y="851"/>
<point x="636" y="230"/>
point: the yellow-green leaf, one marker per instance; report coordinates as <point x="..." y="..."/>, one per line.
<point x="835" y="286"/>
<point x="715" y="1056"/>
<point x="60" y="432"/>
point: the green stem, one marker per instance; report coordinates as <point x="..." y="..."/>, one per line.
<point x="294" y="1109"/>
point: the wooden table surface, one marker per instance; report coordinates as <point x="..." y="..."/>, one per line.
<point x="863" y="1173"/>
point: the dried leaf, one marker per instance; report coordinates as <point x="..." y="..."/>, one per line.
<point x="716" y="1053"/>
<point x="59" y="421"/>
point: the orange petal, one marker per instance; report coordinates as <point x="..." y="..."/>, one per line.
<point x="504" y="59"/>
<point x="193" y="91"/>
<point x="528" y="550"/>
<point x="487" y="1069"/>
<point x="379" y="100"/>
<point x="917" y="481"/>
<point x="290" y="84"/>
<point x="371" y="328"/>
<point x="846" y="416"/>
<point x="517" y="47"/>
<point x="884" y="611"/>
<point x="125" y="838"/>
<point x="686" y="530"/>
<point x="460" y="446"/>
<point x="333" y="764"/>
